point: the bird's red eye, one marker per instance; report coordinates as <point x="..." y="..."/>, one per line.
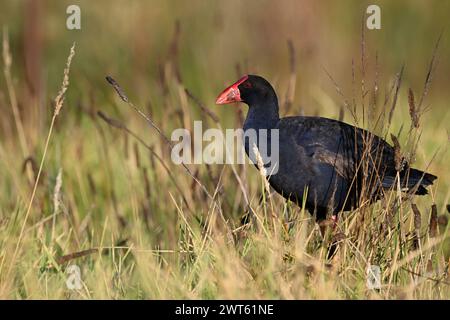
<point x="247" y="84"/>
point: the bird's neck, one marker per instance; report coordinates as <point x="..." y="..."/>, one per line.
<point x="262" y="115"/>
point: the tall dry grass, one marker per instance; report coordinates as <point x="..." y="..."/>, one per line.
<point x="5" y="271"/>
<point x="106" y="197"/>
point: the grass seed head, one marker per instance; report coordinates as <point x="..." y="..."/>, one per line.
<point x="433" y="221"/>
<point x="59" y="100"/>
<point x="413" y="112"/>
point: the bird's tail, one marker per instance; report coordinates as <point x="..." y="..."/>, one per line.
<point x="411" y="179"/>
<point x="414" y="177"/>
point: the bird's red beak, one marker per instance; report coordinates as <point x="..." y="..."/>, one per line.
<point x="232" y="93"/>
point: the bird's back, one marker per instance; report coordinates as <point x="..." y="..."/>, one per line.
<point x="336" y="161"/>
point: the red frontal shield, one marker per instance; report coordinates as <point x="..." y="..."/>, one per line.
<point x="232" y="93"/>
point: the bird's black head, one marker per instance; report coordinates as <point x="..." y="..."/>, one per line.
<point x="250" y="89"/>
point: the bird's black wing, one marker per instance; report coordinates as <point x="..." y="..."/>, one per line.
<point x="344" y="156"/>
<point x="357" y="155"/>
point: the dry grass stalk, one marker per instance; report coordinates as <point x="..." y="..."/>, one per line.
<point x="398" y="82"/>
<point x="433" y="221"/>
<point x="437" y="281"/>
<point x="118" y="89"/>
<point x="215" y="118"/>
<point x="30" y="164"/>
<point x="91" y="183"/>
<point x="261" y="168"/>
<point x="341" y="114"/>
<point x="146" y="183"/>
<point x="119" y="125"/>
<point x="174" y="50"/>
<point x="428" y="78"/>
<point x="57" y="191"/>
<point x="59" y="103"/>
<point x="417" y="225"/>
<point x="339" y="91"/>
<point x="137" y="157"/>
<point x="59" y="100"/>
<point x="375" y="92"/>
<point x="174" y="46"/>
<point x="203" y="108"/>
<point x="363" y="67"/>
<point x="413" y="112"/>
<point x="290" y="93"/>
<point x="417" y="216"/>
<point x="126" y="146"/>
<point x="397" y="153"/>
<point x="56" y="200"/>
<point x="124" y="97"/>
<point x="75" y="255"/>
<point x="7" y="61"/>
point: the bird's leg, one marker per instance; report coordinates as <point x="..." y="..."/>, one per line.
<point x="334" y="240"/>
<point x="322" y="227"/>
<point x="324" y="223"/>
<point x="335" y="219"/>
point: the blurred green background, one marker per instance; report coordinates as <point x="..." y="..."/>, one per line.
<point x="112" y="189"/>
<point x="131" y="40"/>
<point x="212" y="43"/>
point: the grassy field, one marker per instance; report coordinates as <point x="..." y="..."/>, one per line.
<point x="105" y="196"/>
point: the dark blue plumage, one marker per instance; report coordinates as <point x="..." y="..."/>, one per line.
<point x="336" y="162"/>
